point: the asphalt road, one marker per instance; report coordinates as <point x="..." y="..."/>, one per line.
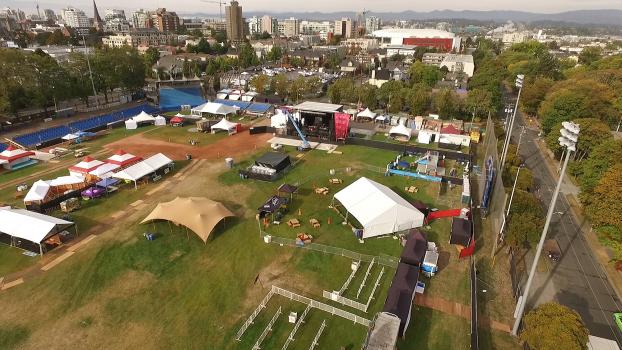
<point x="577" y="280"/>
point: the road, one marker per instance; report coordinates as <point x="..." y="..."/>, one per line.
<point x="577" y="280"/>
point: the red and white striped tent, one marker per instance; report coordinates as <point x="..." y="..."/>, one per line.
<point x="87" y="165"/>
<point x="13" y="156"/>
<point x="123" y="159"/>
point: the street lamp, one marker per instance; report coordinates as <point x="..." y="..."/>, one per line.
<point x="568" y="139"/>
<point x="508" y="136"/>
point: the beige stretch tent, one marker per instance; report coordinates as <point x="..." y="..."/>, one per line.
<point x="199" y="214"/>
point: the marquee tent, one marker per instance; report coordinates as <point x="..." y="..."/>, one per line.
<point x="105" y="170"/>
<point x="131" y="124"/>
<point x="12" y="157"/>
<point x="144" y="168"/>
<point x="143" y="117"/>
<point x="38" y="191"/>
<point x="378" y="209"/>
<point x="279" y="120"/>
<point x="367" y="114"/>
<point x="122" y="158"/>
<point x="30" y="226"/>
<point x="87" y="165"/>
<point x="224" y="125"/>
<point x="160" y="120"/>
<point x="214" y="109"/>
<point x="400" y="131"/>
<point x="199" y="214"/>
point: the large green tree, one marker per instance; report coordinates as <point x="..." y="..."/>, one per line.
<point x="590" y="170"/>
<point x="552" y="326"/>
<point x="342" y="90"/>
<point x="533" y="94"/>
<point x="524" y="229"/>
<point x="446" y="103"/>
<point x="421" y="73"/>
<point x="479" y="102"/>
<point x="419" y="99"/>
<point x="606" y="208"/>
<point x="590" y="55"/>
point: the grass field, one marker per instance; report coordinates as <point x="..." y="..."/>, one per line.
<point x="182" y="135"/>
<point x="178" y="293"/>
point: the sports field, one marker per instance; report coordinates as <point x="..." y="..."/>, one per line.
<point x="121" y="291"/>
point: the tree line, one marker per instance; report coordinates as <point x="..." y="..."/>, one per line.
<point x="291" y="90"/>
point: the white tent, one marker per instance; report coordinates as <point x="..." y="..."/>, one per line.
<point x="224" y="125"/>
<point x="37" y="191"/>
<point x="67" y="180"/>
<point x="380" y="210"/>
<point x="160" y="120"/>
<point x="401" y="130"/>
<point x="279" y="120"/>
<point x="105" y="170"/>
<point x="381" y="119"/>
<point x="366" y="114"/>
<point x="427" y="136"/>
<point x="69" y="137"/>
<point x="131" y="124"/>
<point x="30" y="226"/>
<point x="213" y="108"/>
<point x="144" y="168"/>
<point x="143" y="117"/>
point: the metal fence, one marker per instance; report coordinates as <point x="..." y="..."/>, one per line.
<point x="474" y="320"/>
<point x="324" y="307"/>
<point x="371" y="264"/>
<point x="384" y="260"/>
<point x="353" y="303"/>
<point x="296" y="326"/>
<point x="318" y="335"/>
<point x="267" y="330"/>
<point x="252" y="317"/>
<point x="347" y="282"/>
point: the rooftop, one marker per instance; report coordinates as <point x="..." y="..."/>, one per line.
<point x="412" y="33"/>
<point x="318" y="107"/>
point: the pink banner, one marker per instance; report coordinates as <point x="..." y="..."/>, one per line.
<point x="342" y="122"/>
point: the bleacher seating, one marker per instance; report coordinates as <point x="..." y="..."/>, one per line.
<point x="49" y="134"/>
<point x="173" y="98"/>
<point x="3" y="146"/>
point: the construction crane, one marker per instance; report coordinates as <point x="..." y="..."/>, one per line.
<point x="305" y="146"/>
<point x="220" y="3"/>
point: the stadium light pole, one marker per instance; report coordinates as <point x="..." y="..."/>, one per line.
<point x="568" y="139"/>
<point x="88" y="62"/>
<point x="508" y="136"/>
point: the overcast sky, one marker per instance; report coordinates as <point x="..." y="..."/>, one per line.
<point x="190" y="6"/>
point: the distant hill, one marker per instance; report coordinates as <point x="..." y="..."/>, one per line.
<point x="591" y="17"/>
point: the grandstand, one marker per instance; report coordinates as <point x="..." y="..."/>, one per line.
<point x="172" y="98"/>
<point x="52" y="135"/>
<point x="3" y="146"/>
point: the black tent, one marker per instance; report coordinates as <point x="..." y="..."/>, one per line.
<point x="274" y="160"/>
<point x="415" y="248"/>
<point x="461" y="232"/>
<point x="273" y="204"/>
<point x="287" y="188"/>
<point x="402" y="294"/>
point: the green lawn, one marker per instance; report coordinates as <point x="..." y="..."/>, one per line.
<point x="13" y="260"/>
<point x="181" y="135"/>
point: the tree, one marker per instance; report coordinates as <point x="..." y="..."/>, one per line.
<point x="593" y="133"/>
<point x="525" y="203"/>
<point x="259" y="83"/>
<point x="341" y="90"/>
<point x="605" y="211"/>
<point x="552" y="326"/>
<point x="425" y="74"/>
<point x="479" y="102"/>
<point x="297" y="89"/>
<point x="313" y="85"/>
<point x="524" y="229"/>
<point x="602" y="157"/>
<point x="279" y="84"/>
<point x="525" y="178"/>
<point x="393" y="95"/>
<point x="446" y="103"/>
<point x="533" y="94"/>
<point x="366" y="95"/>
<point x="151" y="57"/>
<point x="419" y="99"/>
<point x="274" y="54"/>
<point x="590" y="55"/>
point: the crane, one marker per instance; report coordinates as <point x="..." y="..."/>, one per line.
<point x="305" y="146"/>
<point x="220" y="3"/>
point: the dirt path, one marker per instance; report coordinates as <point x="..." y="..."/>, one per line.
<point x="232" y="146"/>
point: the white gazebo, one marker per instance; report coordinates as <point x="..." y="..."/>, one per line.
<point x="87" y="165"/>
<point x="279" y="120"/>
<point x="224" y="125"/>
<point x="400" y="131"/>
<point x="144" y="117"/>
<point x="160" y="121"/>
<point x="131" y="124"/>
<point x="213" y="108"/>
<point x="377" y="208"/>
<point x="367" y="114"/>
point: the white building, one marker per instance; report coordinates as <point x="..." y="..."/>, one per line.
<point x="140" y="37"/>
<point x="289" y="28"/>
<point x="344" y="27"/>
<point x="372" y="24"/>
<point x="254" y="25"/>
<point x="453" y="62"/>
<point x="516" y="37"/>
<point x="114" y="13"/>
<point x="75" y="18"/>
<point x="441" y="40"/>
<point x="269" y="25"/>
<point x="140" y="19"/>
<point x="361" y="43"/>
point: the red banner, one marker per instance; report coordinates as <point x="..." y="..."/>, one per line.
<point x="342" y="122"/>
<point x="443" y="214"/>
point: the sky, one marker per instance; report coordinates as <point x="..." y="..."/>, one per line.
<point x="275" y="6"/>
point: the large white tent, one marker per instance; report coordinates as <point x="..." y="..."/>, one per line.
<point x="143" y="168"/>
<point x="367" y="114"/>
<point x="131" y="124"/>
<point x="378" y="209"/>
<point x="214" y="109"/>
<point x="401" y="131"/>
<point x="143" y="117"/>
<point x="30" y="226"/>
<point x="160" y="120"/>
<point x="224" y="125"/>
<point x="279" y="120"/>
<point x="38" y="191"/>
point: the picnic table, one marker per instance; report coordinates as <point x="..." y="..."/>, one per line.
<point x="293" y="223"/>
<point x="411" y="189"/>
<point x="315" y="223"/>
<point x="335" y="181"/>
<point x="322" y="190"/>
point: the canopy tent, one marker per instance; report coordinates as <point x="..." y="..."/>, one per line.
<point x="107" y="182"/>
<point x="271" y="205"/>
<point x="378" y="209"/>
<point x="122" y="158"/>
<point x="160" y="120"/>
<point x="67" y="180"/>
<point x="131" y="124"/>
<point x="214" y="109"/>
<point x="279" y="120"/>
<point x="415" y="248"/>
<point x="143" y="168"/>
<point x="196" y="213"/>
<point x="38" y="191"/>
<point x="69" y="137"/>
<point x="367" y="114"/>
<point x="224" y="125"/>
<point x="461" y="232"/>
<point x="450" y="130"/>
<point x="177" y="120"/>
<point x="381" y="119"/>
<point x="401" y="294"/>
<point x="87" y="165"/>
<point x="15" y="157"/>
<point x="143" y="117"/>
<point x="274" y="160"/>
<point x="30" y="226"/>
<point x="105" y="170"/>
<point x="400" y="130"/>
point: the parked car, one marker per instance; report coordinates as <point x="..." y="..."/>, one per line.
<point x="551" y="247"/>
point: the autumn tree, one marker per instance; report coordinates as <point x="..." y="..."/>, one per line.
<point x="606" y="208"/>
<point x="593" y="133"/>
<point x="446" y="103"/>
<point x="552" y="326"/>
<point x="259" y="83"/>
<point x="524" y="229"/>
<point x="589" y="172"/>
<point x="279" y="84"/>
<point x="534" y="93"/>
<point x="419" y="99"/>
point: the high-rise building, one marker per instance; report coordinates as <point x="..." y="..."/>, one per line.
<point x="289" y="28"/>
<point x="97" y="20"/>
<point x="140" y="19"/>
<point x="254" y="25"/>
<point x="269" y="25"/>
<point x="344" y="27"/>
<point x="49" y="15"/>
<point x="372" y="24"/>
<point x="114" y="13"/>
<point x="164" y="21"/>
<point x="235" y="23"/>
<point x="75" y="18"/>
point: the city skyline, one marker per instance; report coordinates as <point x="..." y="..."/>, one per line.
<point x="280" y="6"/>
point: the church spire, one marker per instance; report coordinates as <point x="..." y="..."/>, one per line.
<point x="97" y="20"/>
